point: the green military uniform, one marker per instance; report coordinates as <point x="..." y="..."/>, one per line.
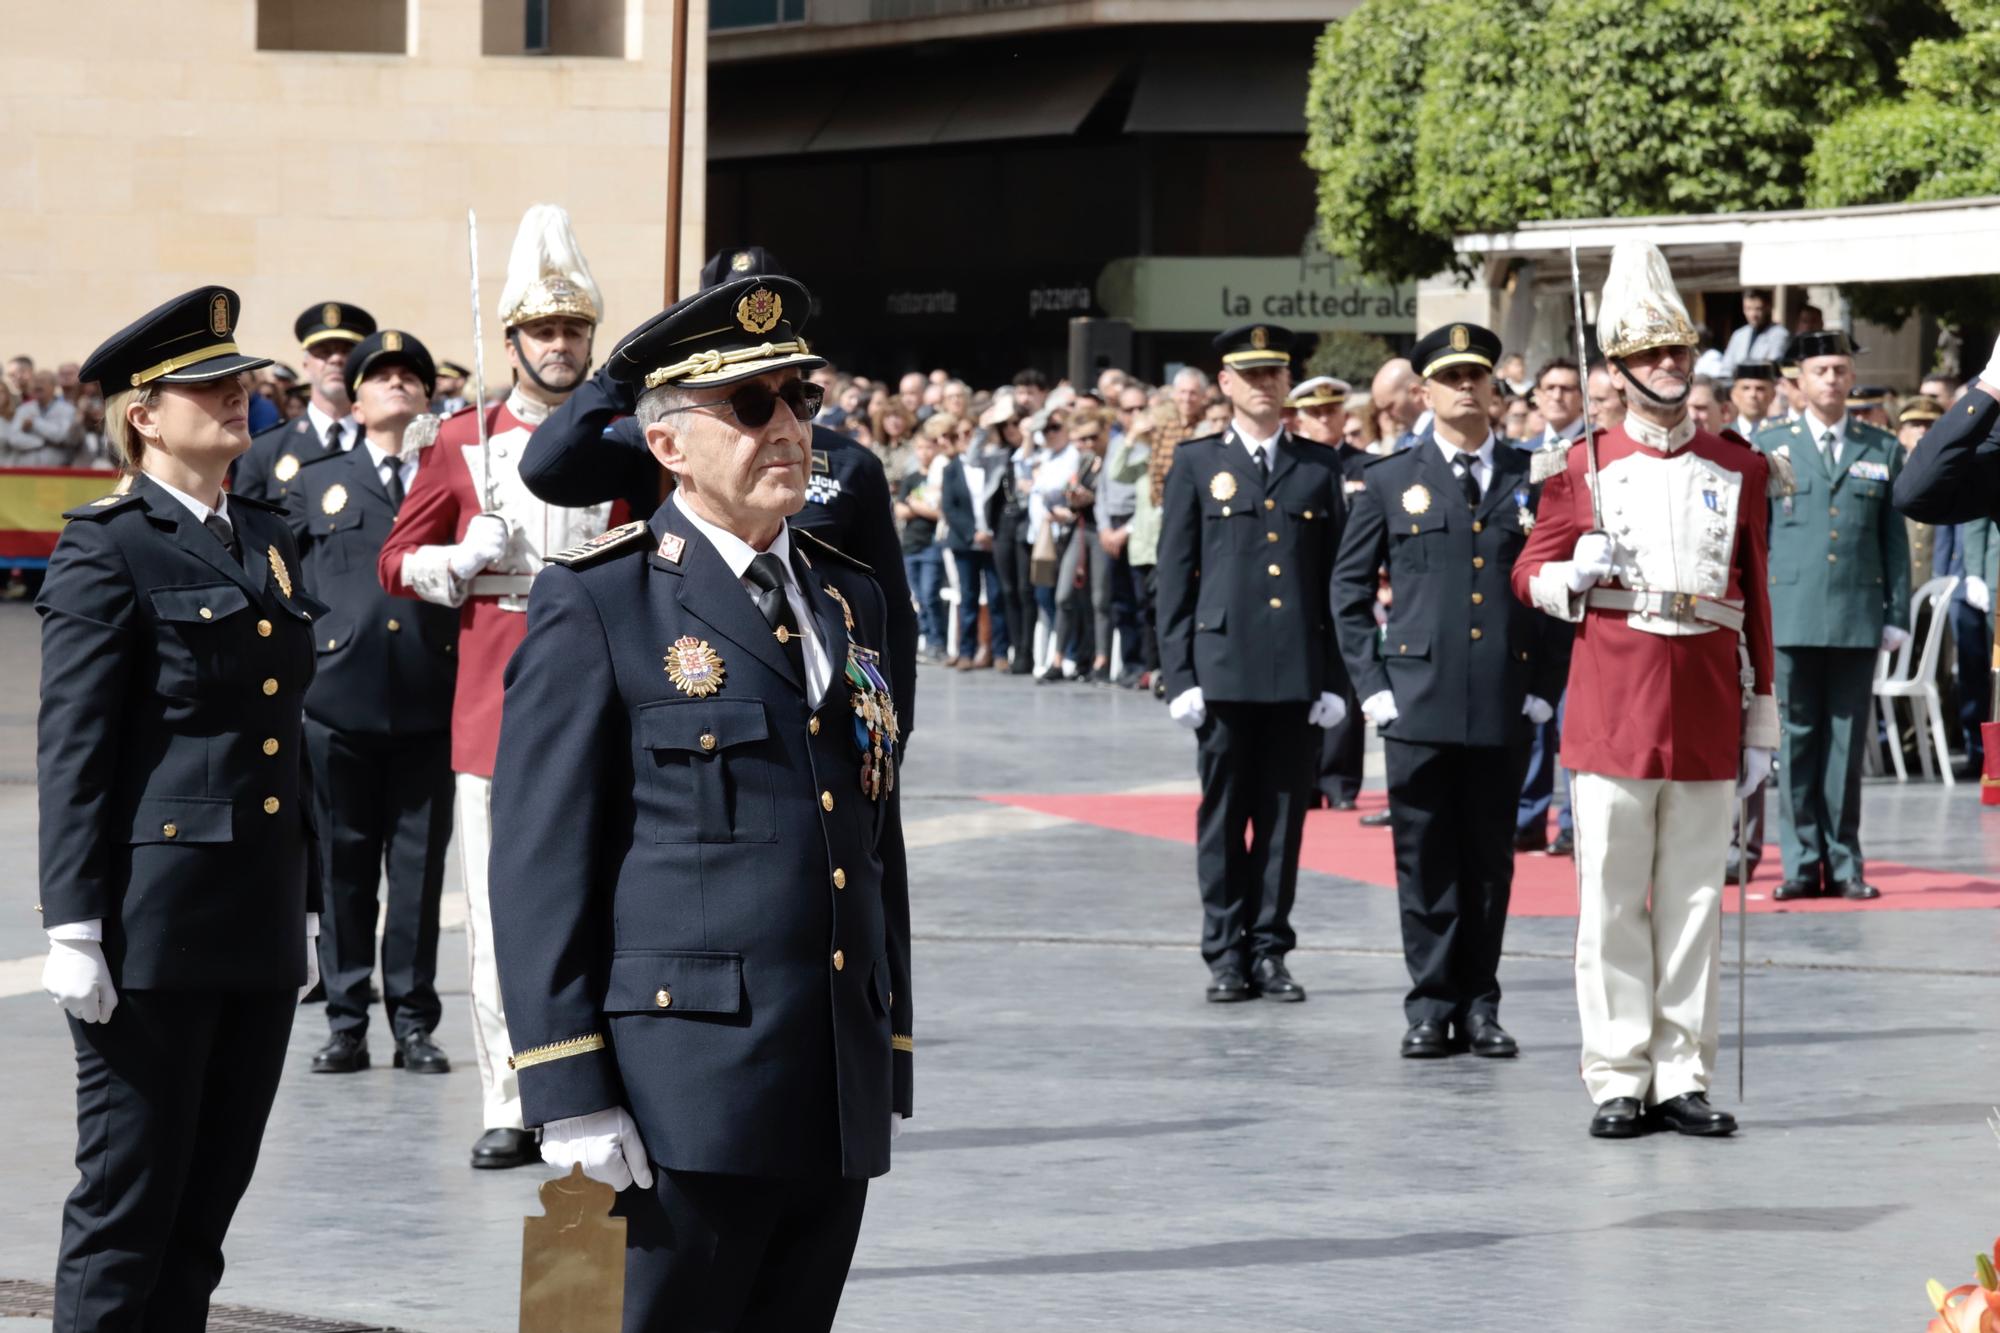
<point x="1840" y="571"/>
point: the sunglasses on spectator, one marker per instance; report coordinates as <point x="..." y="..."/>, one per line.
<point x="1085" y="439"/>
<point x="754" y="403"/>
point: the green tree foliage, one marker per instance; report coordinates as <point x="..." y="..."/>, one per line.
<point x="1429" y="119"/>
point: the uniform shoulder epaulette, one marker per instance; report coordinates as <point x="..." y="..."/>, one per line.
<point x="1214" y="437"/>
<point x="1549" y="460"/>
<point x="621" y="540"/>
<point x="820" y="543"/>
<point x="1375" y="459"/>
<point x="306" y="462"/>
<point x="103" y="505"/>
<point x="251" y="502"/>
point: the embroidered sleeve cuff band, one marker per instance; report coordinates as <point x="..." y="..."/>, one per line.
<point x="555" y="1050"/>
<point x="899" y="1042"/>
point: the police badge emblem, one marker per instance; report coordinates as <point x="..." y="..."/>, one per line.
<point x="741" y="262"/>
<point x="329" y="315"/>
<point x="278" y="571"/>
<point x="694" y="667"/>
<point x="1260" y="338"/>
<point x="760" y="311"/>
<point x="671" y="547"/>
<point x="392" y="341"/>
<point x="1223" y="485"/>
<point x="334" y="500"/>
<point x="287" y="468"/>
<point x="1417" y="499"/>
<point x="218" y="316"/>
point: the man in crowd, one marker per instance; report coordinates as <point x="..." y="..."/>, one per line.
<point x="470" y="536"/>
<point x="327" y="333"/>
<point x="1660" y="721"/>
<point x="1454" y="682"/>
<point x="1607" y="399"/>
<point x="451" y="393"/>
<point x="1840" y="567"/>
<point x="1249" y="526"/>
<point x="1318" y="411"/>
<point x="1758" y="339"/>
<point x="378" y="719"/>
<point x="1703" y="409"/>
<point x="712" y="991"/>
<point x="1399" y="390"/>
<point x="1750" y="395"/>
<point x="43" y="432"/>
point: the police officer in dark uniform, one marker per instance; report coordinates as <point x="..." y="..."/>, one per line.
<point x="590" y="450"/>
<point x="179" y="863"/>
<point x="701" y="916"/>
<point x="1953" y="475"/>
<point x="1453" y="683"/>
<point x="327" y="332"/>
<point x="378" y="719"/>
<point x="1249" y="523"/>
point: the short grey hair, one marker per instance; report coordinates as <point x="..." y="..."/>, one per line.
<point x="657" y="404"/>
<point x="1193" y="373"/>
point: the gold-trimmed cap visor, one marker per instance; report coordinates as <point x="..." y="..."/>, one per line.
<point x="1319" y="391"/>
<point x="1249" y="346"/>
<point x="732" y="331"/>
<point x="332" y="321"/>
<point x="1455" y="345"/>
<point x="188" y="340"/>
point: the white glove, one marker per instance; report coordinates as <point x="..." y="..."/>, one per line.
<point x="312" y="953"/>
<point x="1756" y="770"/>
<point x="1536" y="710"/>
<point x="1329" y="710"/>
<point x="1978" y="596"/>
<point x="1380" y="708"/>
<point x="77" y="978"/>
<point x="895" y="1125"/>
<point x="1894" y="637"/>
<point x="605" y="1142"/>
<point x="485" y="541"/>
<point x="1188" y="708"/>
<point x="1592" y="561"/>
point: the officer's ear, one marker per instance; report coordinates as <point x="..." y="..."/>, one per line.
<point x="663" y="441"/>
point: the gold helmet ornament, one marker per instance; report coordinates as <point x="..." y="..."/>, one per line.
<point x="1639" y="308"/>
<point x="547" y="274"/>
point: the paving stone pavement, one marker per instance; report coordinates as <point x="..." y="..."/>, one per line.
<point x="1096" y="1148"/>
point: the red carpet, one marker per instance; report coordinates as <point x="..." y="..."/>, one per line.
<point x="1543" y="885"/>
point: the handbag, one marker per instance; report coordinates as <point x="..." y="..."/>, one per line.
<point x="1044" y="558"/>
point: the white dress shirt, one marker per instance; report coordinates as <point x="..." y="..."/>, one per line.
<point x="350" y="429"/>
<point x="1819" y="429"/>
<point x="405" y="464"/>
<point x="194" y="506"/>
<point x="1482" y="462"/>
<point x="1259" y="449"/>
<point x="737" y="554"/>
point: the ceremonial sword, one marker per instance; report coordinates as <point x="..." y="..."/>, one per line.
<point x="1583" y="374"/>
<point x="479" y="368"/>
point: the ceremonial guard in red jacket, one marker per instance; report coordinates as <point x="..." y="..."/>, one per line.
<point x="470" y="535"/>
<point x="1663" y="572"/>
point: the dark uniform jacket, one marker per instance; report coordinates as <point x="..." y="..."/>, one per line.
<point x="176" y="804"/>
<point x="1953" y="475"/>
<point x="698" y="912"/>
<point x="1246" y="572"/>
<point x="387" y="665"/>
<point x="262" y="472"/>
<point x="591" y="449"/>
<point x="1460" y="651"/>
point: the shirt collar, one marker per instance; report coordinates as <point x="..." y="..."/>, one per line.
<point x="1484" y="453"/>
<point x="735" y="552"/>
<point x="528" y="411"/>
<point x="194" y="506"/>
<point x="1820" y="428"/>
<point x="320" y="421"/>
<point x="1251" y="442"/>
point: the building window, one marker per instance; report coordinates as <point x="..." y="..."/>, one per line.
<point x="378" y="26"/>
<point x="724" y="14"/>
<point x="554" y="27"/>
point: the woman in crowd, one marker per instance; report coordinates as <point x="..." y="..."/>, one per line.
<point x="1083" y="580"/>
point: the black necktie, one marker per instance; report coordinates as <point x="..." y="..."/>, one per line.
<point x="769" y="575"/>
<point x="333" y="437"/>
<point x="1263" y="458"/>
<point x="225" y="532"/>
<point x="394" y="483"/>
<point x="1466" y="481"/>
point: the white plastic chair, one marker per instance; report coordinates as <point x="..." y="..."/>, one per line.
<point x="1911" y="673"/>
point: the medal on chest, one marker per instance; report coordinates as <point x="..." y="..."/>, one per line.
<point x="1525" y="515"/>
<point x="875" y="726"/>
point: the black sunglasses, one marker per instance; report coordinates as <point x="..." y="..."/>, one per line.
<point x="754" y="402"/>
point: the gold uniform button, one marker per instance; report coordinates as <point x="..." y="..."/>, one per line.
<point x="812" y="725"/>
<point x="1479" y="562"/>
<point x="707" y="741"/>
<point x="1831" y="557"/>
<point x="1277" y="602"/>
<point x="1275" y="571"/>
<point x="1225" y="511"/>
<point x="1477" y="635"/>
<point x="839" y="960"/>
<point x="1833" y="536"/>
<point x="270" y="745"/>
<point x="839" y="878"/>
<point x="1477" y="526"/>
<point x="1270" y="536"/>
<point x="1478" y="598"/>
<point x="332" y="643"/>
<point x="1270" y="504"/>
<point x="207" y="614"/>
<point x="664" y="998"/>
<point x="1309" y="513"/>
<point x="271" y="682"/>
<point x="784" y="634"/>
<point x="826" y="800"/>
<point x="263" y="629"/>
<point x="170" y="831"/>
<point x="395" y="625"/>
<point x="1833" y="511"/>
<point x="270" y="805"/>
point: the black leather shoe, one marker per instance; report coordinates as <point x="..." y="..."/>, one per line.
<point x="1379" y="819"/>
<point x="1273" y="982"/>
<point x="344" y="1053"/>
<point x="1489" y="1039"/>
<point x="498" y="1149"/>
<point x="1853" y="890"/>
<point x="1426" y="1041"/>
<point x="420" y="1055"/>
<point x="1564" y="845"/>
<point x="1690" y="1113"/>
<point x="1618" y="1118"/>
<point x="1227" y="984"/>
<point x="1794" y="889"/>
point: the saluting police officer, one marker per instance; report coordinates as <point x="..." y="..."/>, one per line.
<point x="1453" y="685"/>
<point x="378" y="719"/>
<point x="1249" y="524"/>
<point x="704" y="941"/>
<point x="327" y="333"/>
<point x="179" y="864"/>
<point x="591" y="450"/>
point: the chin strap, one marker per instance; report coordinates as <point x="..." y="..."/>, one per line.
<point x="528" y="367"/>
<point x="1636" y="383"/>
